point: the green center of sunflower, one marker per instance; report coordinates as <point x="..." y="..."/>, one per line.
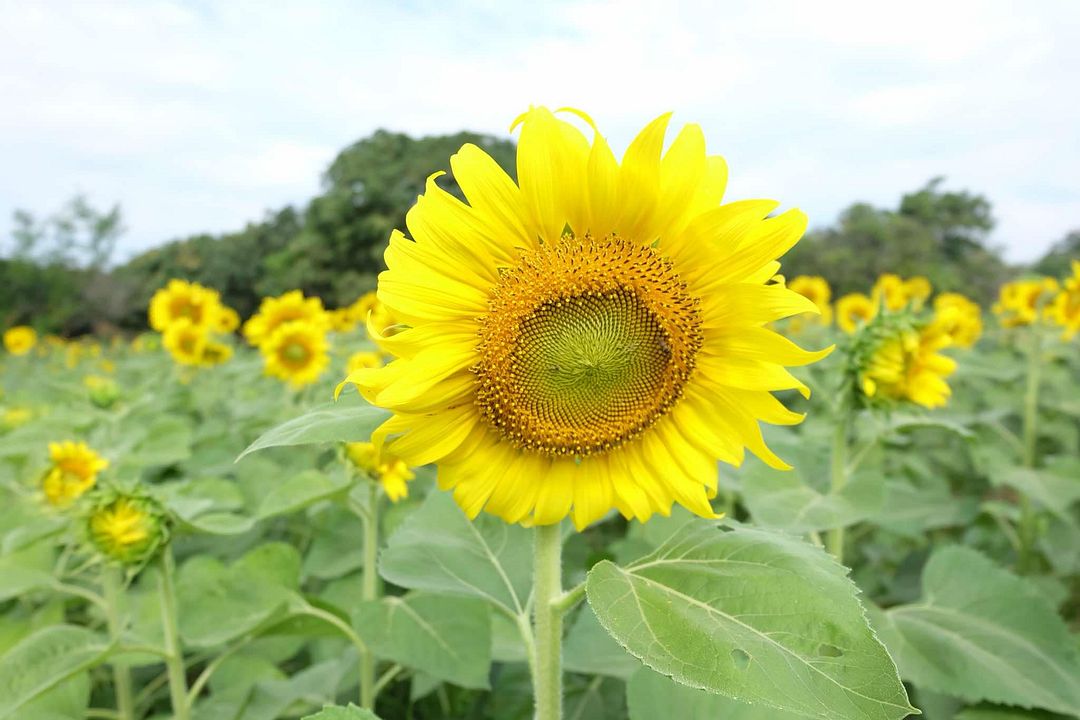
<point x="295" y="353"/>
<point x="586" y="345"/>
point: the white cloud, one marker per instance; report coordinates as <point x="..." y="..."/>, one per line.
<point x="198" y="116"/>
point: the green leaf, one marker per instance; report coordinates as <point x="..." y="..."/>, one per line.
<point x="591" y="651"/>
<point x="756" y="616"/>
<point x="1005" y="713"/>
<point x="44" y="660"/>
<point x="1055" y="488"/>
<point x="652" y="696"/>
<point x="344" y="421"/>
<point x="16" y="580"/>
<point x="981" y="633"/>
<point x="300" y="491"/>
<point x="445" y="636"/>
<point x="439" y="549"/>
<point x="342" y="713"/>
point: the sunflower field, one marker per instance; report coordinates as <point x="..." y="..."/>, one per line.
<point x="589" y="451"/>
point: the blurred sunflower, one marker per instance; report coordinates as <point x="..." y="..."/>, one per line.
<point x="908" y="366"/>
<point x="341" y="320"/>
<point x="1023" y="302"/>
<point x="20" y="339"/>
<point x="363" y="359"/>
<point x="1065" y="309"/>
<point x="215" y="353"/>
<point x="815" y="289"/>
<point x="959" y="317"/>
<point x="276" y="311"/>
<point x="74" y="470"/>
<point x="594" y="337"/>
<point x="296" y="352"/>
<point x="391" y="472"/>
<point x="917" y="290"/>
<point x="185" y="341"/>
<point x="228" y="320"/>
<point x="854" y="310"/>
<point x="126" y="529"/>
<point x="181" y="300"/>
<point x="889" y="291"/>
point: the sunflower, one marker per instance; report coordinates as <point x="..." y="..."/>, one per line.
<point x="276" y="311"/>
<point x="296" y="352"/>
<point x="185" y="341"/>
<point x="960" y="317"/>
<point x="391" y="472"/>
<point x="889" y="292"/>
<point x="363" y="359"/>
<point x="593" y="338"/>
<point x="181" y="300"/>
<point x="1023" y="302"/>
<point x="227" y="320"/>
<point x="20" y="339"/>
<point x="126" y="529"/>
<point x="908" y="366"/>
<point x="342" y="320"/>
<point x="816" y="289"/>
<point x="74" y="470"/>
<point x="1065" y="309"/>
<point x="215" y="353"/>
<point x="917" y="290"/>
<point x="854" y="310"/>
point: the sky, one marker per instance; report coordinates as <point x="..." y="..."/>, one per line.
<point x="200" y="116"/>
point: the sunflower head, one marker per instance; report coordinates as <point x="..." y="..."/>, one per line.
<point x="125" y="528"/>
<point x="917" y="290"/>
<point x="1024" y="302"/>
<point x="215" y="353"/>
<point x="20" y="340"/>
<point x="186" y="341"/>
<point x="228" y="320"/>
<point x="103" y="391"/>
<point x="958" y="317"/>
<point x="182" y="300"/>
<point x="815" y="289"/>
<point x="74" y="470"/>
<point x="277" y="311"/>
<point x="853" y="311"/>
<point x="1065" y="309"/>
<point x="391" y="472"/>
<point x="594" y="336"/>
<point x="363" y="360"/>
<point x="296" y="352"/>
<point x="896" y="358"/>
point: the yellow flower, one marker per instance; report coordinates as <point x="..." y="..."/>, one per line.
<point x="390" y="471"/>
<point x="103" y="391"/>
<point x="908" y="366"/>
<point x="227" y="320"/>
<point x="854" y="310"/>
<point x="959" y="317"/>
<point x="363" y="359"/>
<point x="917" y="290"/>
<point x="128" y="530"/>
<point x="20" y="339"/>
<point x="889" y="290"/>
<point x="591" y="338"/>
<point x="185" y="341"/>
<point x="816" y="289"/>
<point x="215" y="353"/>
<point x="341" y="320"/>
<point x="363" y="305"/>
<point x="296" y="352"/>
<point x="276" y="311"/>
<point x="74" y="470"/>
<point x="1023" y="302"/>
<point x="1065" y="309"/>
<point x="181" y="300"/>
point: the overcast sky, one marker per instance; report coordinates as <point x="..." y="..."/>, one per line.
<point x="199" y="116"/>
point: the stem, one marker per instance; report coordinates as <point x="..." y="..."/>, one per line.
<point x="174" y="658"/>
<point x="370" y="591"/>
<point x="834" y="541"/>
<point x="547" y="619"/>
<point x="125" y="703"/>
<point x="1028" y="529"/>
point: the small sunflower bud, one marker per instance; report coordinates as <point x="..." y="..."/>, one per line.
<point x="103" y="391"/>
<point x="127" y="529"/>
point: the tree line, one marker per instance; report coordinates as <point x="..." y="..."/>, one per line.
<point x="55" y="272"/>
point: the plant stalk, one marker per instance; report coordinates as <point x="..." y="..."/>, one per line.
<point x="838" y="477"/>
<point x="174" y="654"/>
<point x="370" y="590"/>
<point x="547" y="620"/>
<point x="1028" y="529"/>
<point x="112" y="581"/>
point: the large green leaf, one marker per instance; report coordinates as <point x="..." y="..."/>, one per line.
<point x="438" y="548"/>
<point x="300" y="491"/>
<point x="981" y="633"/>
<point x="342" y="713"/>
<point x="591" y="651"/>
<point x="651" y="696"/>
<point x="44" y="660"/>
<point x="756" y="616"/>
<point x="790" y="500"/>
<point x="16" y="580"/>
<point x="349" y="420"/>
<point x="445" y="636"/>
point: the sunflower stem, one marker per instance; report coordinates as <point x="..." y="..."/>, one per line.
<point x="370" y="591"/>
<point x="112" y="580"/>
<point x="174" y="655"/>
<point x="1028" y="529"/>
<point x="547" y="620"/>
<point x="834" y="541"/>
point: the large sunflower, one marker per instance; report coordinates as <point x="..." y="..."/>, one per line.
<point x="593" y="337"/>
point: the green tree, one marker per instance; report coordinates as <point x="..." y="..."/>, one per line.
<point x="1057" y="262"/>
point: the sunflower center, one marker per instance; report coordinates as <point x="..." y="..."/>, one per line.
<point x="586" y="345"/>
<point x="295" y="353"/>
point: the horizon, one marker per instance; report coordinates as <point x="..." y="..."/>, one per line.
<point x="200" y="118"/>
